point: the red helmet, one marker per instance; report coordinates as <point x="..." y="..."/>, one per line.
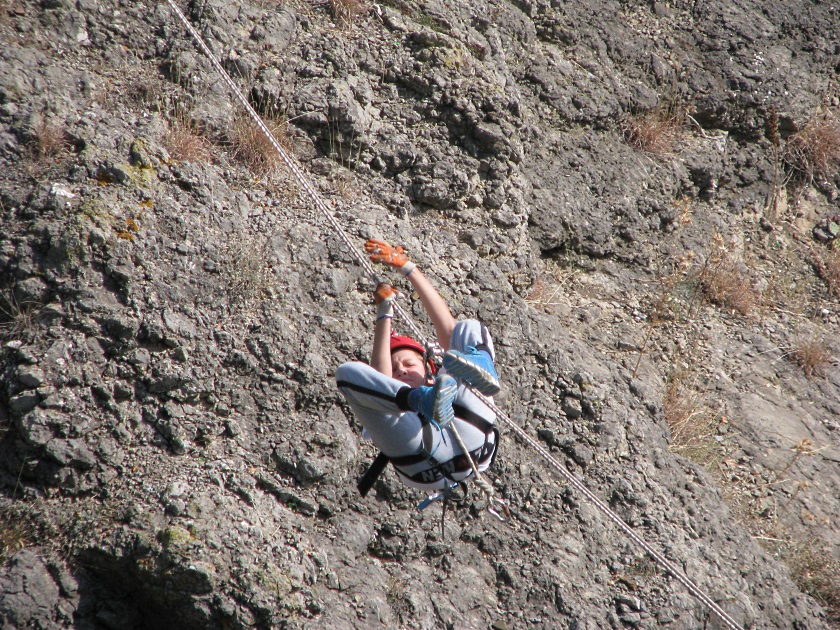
<point x="398" y="342"/>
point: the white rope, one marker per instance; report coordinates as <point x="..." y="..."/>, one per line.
<point x="299" y="175"/>
<point x="484" y="486"/>
<point x="293" y="166"/>
<point x="615" y="518"/>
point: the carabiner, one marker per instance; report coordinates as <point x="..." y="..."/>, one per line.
<point x="505" y="515"/>
<point x="451" y="494"/>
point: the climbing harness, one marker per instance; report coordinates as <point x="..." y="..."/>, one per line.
<point x="493" y="504"/>
<point x="442" y="470"/>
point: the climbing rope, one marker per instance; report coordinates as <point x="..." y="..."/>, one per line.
<point x="615" y="518"/>
<point x="485" y="487"/>
<point x="497" y="507"/>
<point x="292" y="165"/>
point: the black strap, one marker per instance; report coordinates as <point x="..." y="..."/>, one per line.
<point x="471" y="417"/>
<point x="372" y="474"/>
<point x="400" y="399"/>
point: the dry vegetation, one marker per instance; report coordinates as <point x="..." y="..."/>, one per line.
<point x="725" y="285"/>
<point x="763" y="500"/>
<point x="815" y="150"/>
<point x="548" y="289"/>
<point x="48" y="139"/>
<point x="657" y="132"/>
<point x="15" y="532"/>
<point x="543" y="293"/>
<point x="16" y="318"/>
<point x="399" y="599"/>
<point x="725" y="282"/>
<point x="246" y="270"/>
<point x="694" y="425"/>
<point x="810" y="560"/>
<point x="777" y="197"/>
<point x="253" y="149"/>
<point x="186" y="143"/>
<point x="828" y="268"/>
<point x="346" y="12"/>
<point x="815" y="571"/>
<point x="150" y="91"/>
<point x="812" y="356"/>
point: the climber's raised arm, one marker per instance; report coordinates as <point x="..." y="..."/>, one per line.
<point x="435" y="306"/>
<point x="380" y="359"/>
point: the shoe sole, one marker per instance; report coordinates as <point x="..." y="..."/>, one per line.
<point x="445" y="389"/>
<point x="463" y="369"/>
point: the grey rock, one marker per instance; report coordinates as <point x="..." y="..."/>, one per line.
<point x="572" y="407"/>
<point x="24" y="402"/>
<point x="29" y="596"/>
<point x="30" y="377"/>
<point x="35" y="428"/>
<point x="71" y="453"/>
<point x="31" y="291"/>
<point x="489" y="140"/>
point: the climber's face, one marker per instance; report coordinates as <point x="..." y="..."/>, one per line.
<point x="407" y="366"/>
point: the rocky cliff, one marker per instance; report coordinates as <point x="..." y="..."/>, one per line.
<point x="640" y="199"/>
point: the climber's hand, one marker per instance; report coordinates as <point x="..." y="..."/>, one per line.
<point x="384" y="292"/>
<point x="384" y="296"/>
<point x="382" y="252"/>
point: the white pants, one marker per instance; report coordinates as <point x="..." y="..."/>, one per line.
<point x="398" y="433"/>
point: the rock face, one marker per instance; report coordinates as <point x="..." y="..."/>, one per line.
<point x="173" y="451"/>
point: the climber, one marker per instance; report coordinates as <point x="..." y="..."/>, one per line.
<point x="407" y="409"/>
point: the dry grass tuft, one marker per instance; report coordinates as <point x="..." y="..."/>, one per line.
<point x="186" y="143"/>
<point x="693" y="424"/>
<point x="815" y="150"/>
<point x="543" y="294"/>
<point x="549" y="288"/>
<point x="15" y="533"/>
<point x="828" y="268"/>
<point x="246" y="270"/>
<point x="724" y="281"/>
<point x="346" y="12"/>
<point x="147" y="89"/>
<point x="724" y="284"/>
<point x="399" y="599"/>
<point x="812" y="356"/>
<point x="252" y="148"/>
<point x="16" y="318"/>
<point x="49" y="139"/>
<point x="657" y="132"/>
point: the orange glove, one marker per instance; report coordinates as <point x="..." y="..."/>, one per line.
<point x="384" y="297"/>
<point x="380" y="251"/>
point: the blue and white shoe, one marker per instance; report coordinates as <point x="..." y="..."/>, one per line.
<point x="435" y="402"/>
<point x="474" y="368"/>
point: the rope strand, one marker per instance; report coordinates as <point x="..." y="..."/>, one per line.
<point x="299" y="175"/>
<point x="293" y="166"/>
<point x="666" y="564"/>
